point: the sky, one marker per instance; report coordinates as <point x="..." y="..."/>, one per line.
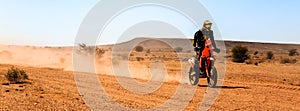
<point x="257" y="20"/>
<point x="56" y="22"/>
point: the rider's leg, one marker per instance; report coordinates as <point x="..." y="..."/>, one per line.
<point x="200" y="52"/>
<point x="201" y="63"/>
<point x="208" y="67"/>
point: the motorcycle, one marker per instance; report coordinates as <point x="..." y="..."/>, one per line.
<point x="195" y="72"/>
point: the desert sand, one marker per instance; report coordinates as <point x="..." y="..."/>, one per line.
<point x="51" y="86"/>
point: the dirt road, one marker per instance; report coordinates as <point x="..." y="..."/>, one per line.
<point x="54" y="89"/>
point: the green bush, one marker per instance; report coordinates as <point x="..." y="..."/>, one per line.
<point x="240" y="54"/>
<point x="100" y="52"/>
<point x="140" y="59"/>
<point x="287" y="60"/>
<point x="148" y="51"/>
<point x="270" y="55"/>
<point x="15" y="75"/>
<point x="139" y="48"/>
<point x="85" y="49"/>
<point x="293" y="52"/>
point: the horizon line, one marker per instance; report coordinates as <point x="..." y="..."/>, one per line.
<point x="225" y="40"/>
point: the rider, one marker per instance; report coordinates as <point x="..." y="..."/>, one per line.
<point x="204" y="34"/>
<point x="209" y="34"/>
<point x="203" y="42"/>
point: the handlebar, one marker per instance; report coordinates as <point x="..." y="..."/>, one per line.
<point x="215" y="50"/>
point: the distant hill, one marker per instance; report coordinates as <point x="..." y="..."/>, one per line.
<point x="255" y="46"/>
<point x="154" y="43"/>
<point x="187" y="45"/>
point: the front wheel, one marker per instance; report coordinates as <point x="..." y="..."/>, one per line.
<point x="212" y="81"/>
<point x="193" y="76"/>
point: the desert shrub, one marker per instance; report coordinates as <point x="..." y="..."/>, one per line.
<point x="261" y="61"/>
<point x="100" y="52"/>
<point x="293" y="52"/>
<point x="257" y="57"/>
<point x="84" y="49"/>
<point x="255" y="53"/>
<point x="270" y="55"/>
<point x="15" y="75"/>
<point x="248" y="62"/>
<point x="178" y="49"/>
<point x="240" y="54"/>
<point x="82" y="45"/>
<point x="148" y="51"/>
<point x="139" y="48"/>
<point x="140" y="59"/>
<point x="287" y="60"/>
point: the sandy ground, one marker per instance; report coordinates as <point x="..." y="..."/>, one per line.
<point x="47" y="89"/>
<point x="53" y="89"/>
<point x="268" y="86"/>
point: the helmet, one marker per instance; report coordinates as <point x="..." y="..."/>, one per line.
<point x="207" y="24"/>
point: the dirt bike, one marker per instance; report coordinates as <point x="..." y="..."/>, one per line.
<point x="195" y="72"/>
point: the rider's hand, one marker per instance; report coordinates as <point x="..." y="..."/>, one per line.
<point x="195" y="48"/>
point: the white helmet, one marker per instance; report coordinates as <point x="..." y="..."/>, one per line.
<point x="207" y="24"/>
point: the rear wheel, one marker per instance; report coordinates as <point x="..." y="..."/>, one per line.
<point x="213" y="79"/>
<point x="193" y="76"/>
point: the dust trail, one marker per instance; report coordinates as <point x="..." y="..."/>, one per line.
<point x="62" y="58"/>
<point x="55" y="57"/>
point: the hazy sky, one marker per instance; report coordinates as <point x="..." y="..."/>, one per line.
<point x="56" y="22"/>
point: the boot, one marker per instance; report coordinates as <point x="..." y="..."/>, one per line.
<point x="208" y="79"/>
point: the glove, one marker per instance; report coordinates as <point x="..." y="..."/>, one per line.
<point x="196" y="48"/>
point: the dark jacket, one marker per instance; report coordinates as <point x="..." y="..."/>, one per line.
<point x="199" y="39"/>
<point x="209" y="34"/>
